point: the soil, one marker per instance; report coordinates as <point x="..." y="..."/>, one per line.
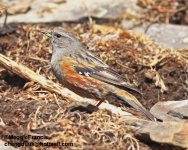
<point x="28" y="108"/>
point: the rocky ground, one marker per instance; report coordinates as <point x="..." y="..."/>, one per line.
<point x="158" y="69"/>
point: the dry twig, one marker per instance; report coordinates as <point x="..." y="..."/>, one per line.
<point x="49" y="85"/>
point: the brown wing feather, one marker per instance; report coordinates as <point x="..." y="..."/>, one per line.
<point x="81" y="85"/>
<point x="106" y="75"/>
<point x="96" y="68"/>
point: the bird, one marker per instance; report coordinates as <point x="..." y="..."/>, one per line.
<point x="86" y="74"/>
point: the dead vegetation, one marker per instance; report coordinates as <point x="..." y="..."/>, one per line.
<point x="160" y="74"/>
<point x="33" y="110"/>
<point x="169" y="11"/>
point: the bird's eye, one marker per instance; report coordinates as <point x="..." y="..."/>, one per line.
<point x="58" y="35"/>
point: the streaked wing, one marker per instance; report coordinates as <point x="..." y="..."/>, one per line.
<point x="96" y="68"/>
<point x="105" y="74"/>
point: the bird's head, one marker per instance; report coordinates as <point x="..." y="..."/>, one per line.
<point x="63" y="42"/>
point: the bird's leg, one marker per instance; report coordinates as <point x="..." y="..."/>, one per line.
<point x="99" y="103"/>
<point x="92" y="108"/>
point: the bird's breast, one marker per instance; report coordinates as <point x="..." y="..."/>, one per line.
<point x="56" y="69"/>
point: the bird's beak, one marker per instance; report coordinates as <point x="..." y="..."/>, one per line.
<point x="49" y="34"/>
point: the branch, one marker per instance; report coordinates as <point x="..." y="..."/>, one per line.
<point x="49" y="85"/>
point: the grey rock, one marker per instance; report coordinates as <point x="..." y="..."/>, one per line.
<point x="166" y="35"/>
<point x="169" y="36"/>
<point x="171" y="110"/>
<point x="3" y="147"/>
<point x="72" y="10"/>
<point x="135" y="26"/>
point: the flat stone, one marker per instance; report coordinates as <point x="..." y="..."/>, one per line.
<point x="169" y="36"/>
<point x="70" y="10"/>
<point x="171" y="110"/>
<point x="166" y="35"/>
<point x="3" y="147"/>
<point x="135" y="26"/>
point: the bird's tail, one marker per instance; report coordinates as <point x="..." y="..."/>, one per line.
<point x="133" y="102"/>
